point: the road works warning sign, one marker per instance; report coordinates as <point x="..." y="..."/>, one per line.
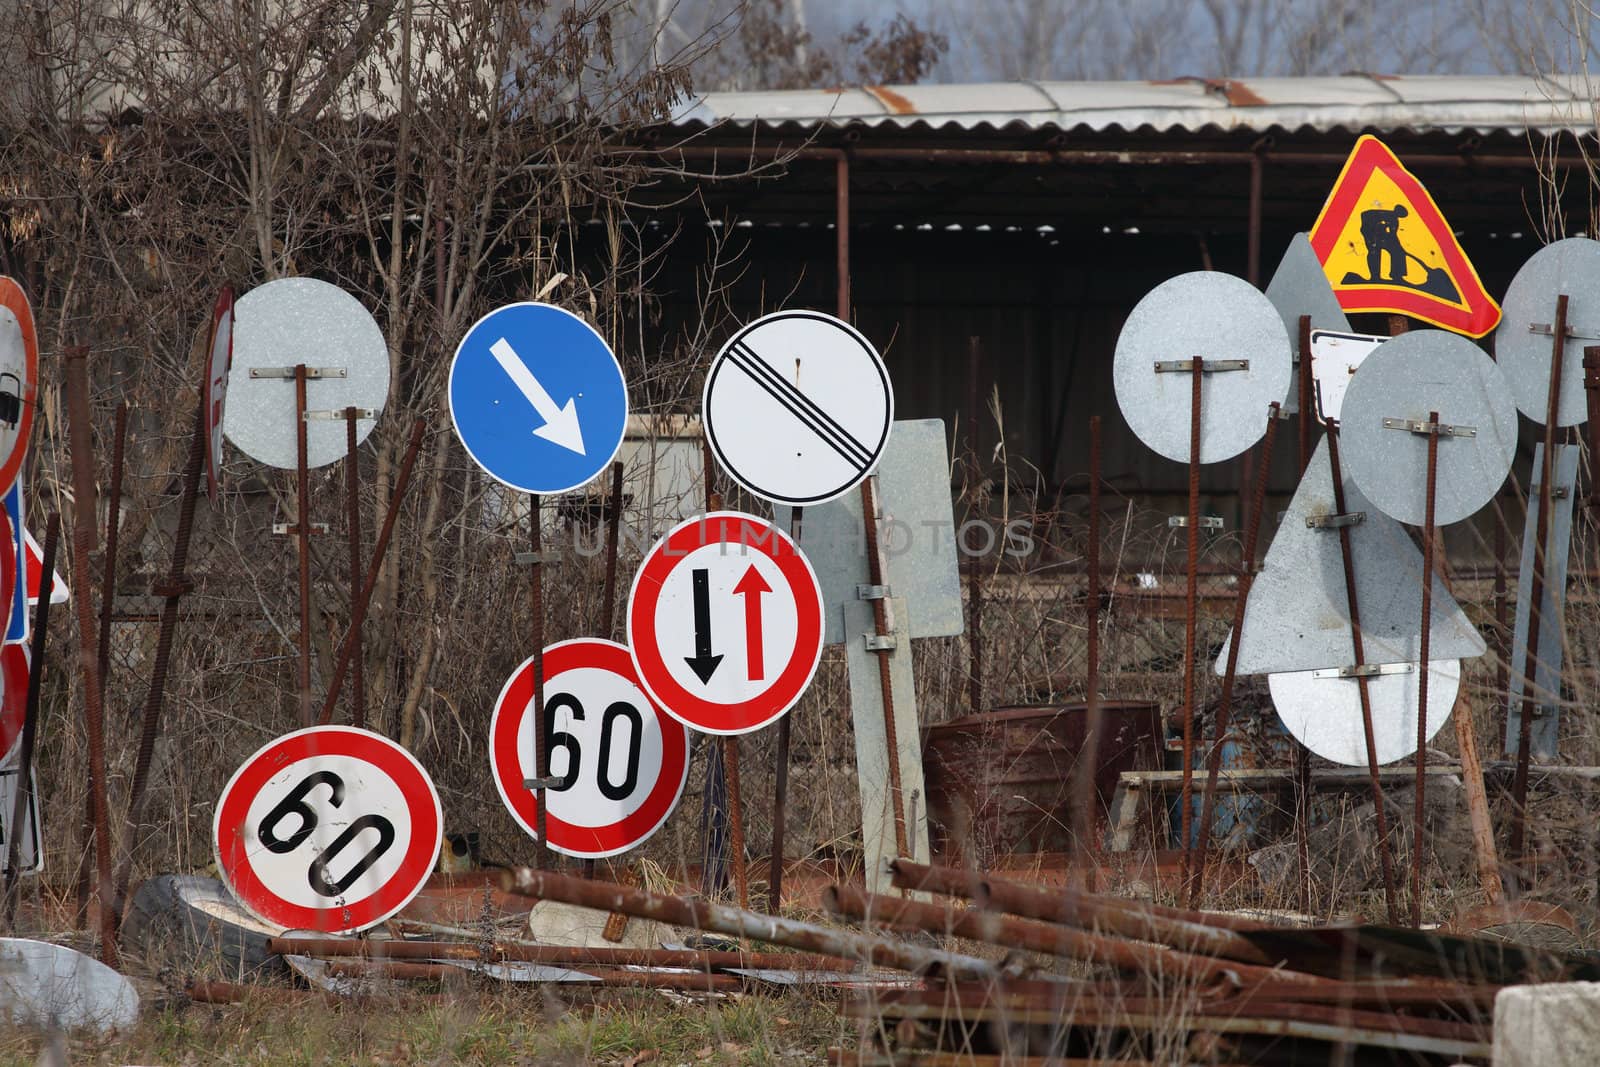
<point x="1385" y="247"/>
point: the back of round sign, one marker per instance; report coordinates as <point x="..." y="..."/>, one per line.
<point x="1525" y="340"/>
<point x="1229" y="324"/>
<point x="293" y="321"/>
<point x="1390" y="399"/>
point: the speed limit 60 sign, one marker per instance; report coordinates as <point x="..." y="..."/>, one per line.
<point x="725" y="622"/>
<point x="332" y="829"/>
<point x="620" y="764"/>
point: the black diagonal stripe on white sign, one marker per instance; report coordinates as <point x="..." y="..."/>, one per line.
<point x="802" y="407"/>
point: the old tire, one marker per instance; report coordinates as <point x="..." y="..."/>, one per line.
<point x="192" y="926"/>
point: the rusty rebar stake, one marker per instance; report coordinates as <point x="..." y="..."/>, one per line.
<point x="1428" y="528"/>
<point x="1190" y="604"/>
<point x="1359" y="656"/>
<point x="1541" y="545"/>
<point x="30" y="720"/>
<point x="303" y="536"/>
<point x="1219" y="731"/>
<point x="880" y="627"/>
<point x="171" y="589"/>
<point x="352" y="499"/>
<point x="108" y="576"/>
<point x="80" y="433"/>
<point x="380" y="548"/>
<point x="1083" y="799"/>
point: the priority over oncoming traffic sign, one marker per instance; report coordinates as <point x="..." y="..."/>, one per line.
<point x="797" y="407"/>
<point x="330" y="828"/>
<point x="725" y="623"/>
<point x="537" y="398"/>
<point x="620" y="761"/>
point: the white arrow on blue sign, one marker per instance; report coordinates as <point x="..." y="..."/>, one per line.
<point x="537" y="398"/>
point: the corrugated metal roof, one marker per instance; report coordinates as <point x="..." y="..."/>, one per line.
<point x="1349" y="102"/>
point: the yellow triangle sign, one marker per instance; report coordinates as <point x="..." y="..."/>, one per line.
<point x="1385" y="246"/>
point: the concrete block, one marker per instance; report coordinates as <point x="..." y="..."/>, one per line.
<point x="1555" y="1025"/>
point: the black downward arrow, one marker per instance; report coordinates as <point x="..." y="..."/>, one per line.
<point x="703" y="663"/>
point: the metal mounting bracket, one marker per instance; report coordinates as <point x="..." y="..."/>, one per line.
<point x="1210" y="366"/>
<point x="1420" y="426"/>
<point x="1548" y="329"/>
<point x="541" y="783"/>
<point x="282" y="529"/>
<point x="1333" y="522"/>
<point x="339" y="414"/>
<point x="288" y="372"/>
<point x="527" y="559"/>
<point x="873" y="592"/>
<point x="1366" y="670"/>
<point x="1207" y="522"/>
<point x="879" y="642"/>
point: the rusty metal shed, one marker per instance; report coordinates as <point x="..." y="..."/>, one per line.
<point x="1034" y="215"/>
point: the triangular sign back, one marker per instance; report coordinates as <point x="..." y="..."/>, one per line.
<point x="1385" y="246"/>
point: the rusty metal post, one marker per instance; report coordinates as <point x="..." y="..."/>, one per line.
<point x="171" y="589"/>
<point x="1541" y="548"/>
<point x="1225" y="708"/>
<point x="1428" y="539"/>
<point x="1358" y="654"/>
<point x="880" y="625"/>
<point x="352" y="493"/>
<point x="701" y="914"/>
<point x="541" y="728"/>
<point x="841" y="234"/>
<point x="30" y="721"/>
<point x="379" y="549"/>
<point x="608" y="608"/>
<point x="1191" y="600"/>
<point x="1083" y="798"/>
<point x="80" y="434"/>
<point x="303" y="536"/>
<point x="108" y="578"/>
<point x="730" y="767"/>
<point x="780" y="778"/>
<point x="1252" y="269"/>
<point x="974" y="564"/>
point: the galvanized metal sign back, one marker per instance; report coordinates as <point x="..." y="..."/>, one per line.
<point x="1387" y="416"/>
<point x="1227" y="323"/>
<point x="1552" y="631"/>
<point x="1525" y="340"/>
<point x="921" y="556"/>
<point x="1298" y="617"/>
<point x="1297" y="288"/>
<point x="1323" y="710"/>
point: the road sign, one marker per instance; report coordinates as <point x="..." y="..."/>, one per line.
<point x="219" y="359"/>
<point x="13" y="564"/>
<point x="725" y="623"/>
<point x="284" y="324"/>
<point x="1524" y="344"/>
<point x="1298" y="287"/>
<point x="13" y="700"/>
<point x="1385" y="246"/>
<point x="30" y="856"/>
<point x="537" y="398"/>
<point x="330" y="828"/>
<point x="1322" y="709"/>
<point x="797" y="407"/>
<point x="19" y="378"/>
<point x="917" y="532"/>
<point x="34" y="564"/>
<point x="1547" y="689"/>
<point x="1335" y="355"/>
<point x="622" y="763"/>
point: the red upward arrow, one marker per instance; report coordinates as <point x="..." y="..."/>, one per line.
<point x="751" y="586"/>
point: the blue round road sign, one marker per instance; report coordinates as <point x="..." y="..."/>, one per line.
<point x="537" y="398"/>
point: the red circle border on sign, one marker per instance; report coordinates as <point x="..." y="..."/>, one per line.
<point x="16" y="301"/>
<point x="725" y="527"/>
<point x="422" y="800"/>
<point x="569" y="839"/>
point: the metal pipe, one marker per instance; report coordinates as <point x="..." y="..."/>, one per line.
<point x="608" y="609"/>
<point x="1358" y="654"/>
<point x="303" y="536"/>
<point x="1086" y="911"/>
<point x="1252" y="272"/>
<point x="558" y="955"/>
<point x="1230" y="672"/>
<point x="30" y="719"/>
<point x="1050" y="939"/>
<point x="1190" y="604"/>
<point x="171" y="589"/>
<point x="374" y="565"/>
<point x="1428" y="527"/>
<point x="1541" y="548"/>
<point x="702" y="914"/>
<point x="108" y="578"/>
<point x="79" y="433"/>
<point x="541" y="728"/>
<point x="1089" y="759"/>
<point x="780" y="779"/>
<point x="841" y="233"/>
<point x="352" y="494"/>
<point x="880" y="626"/>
